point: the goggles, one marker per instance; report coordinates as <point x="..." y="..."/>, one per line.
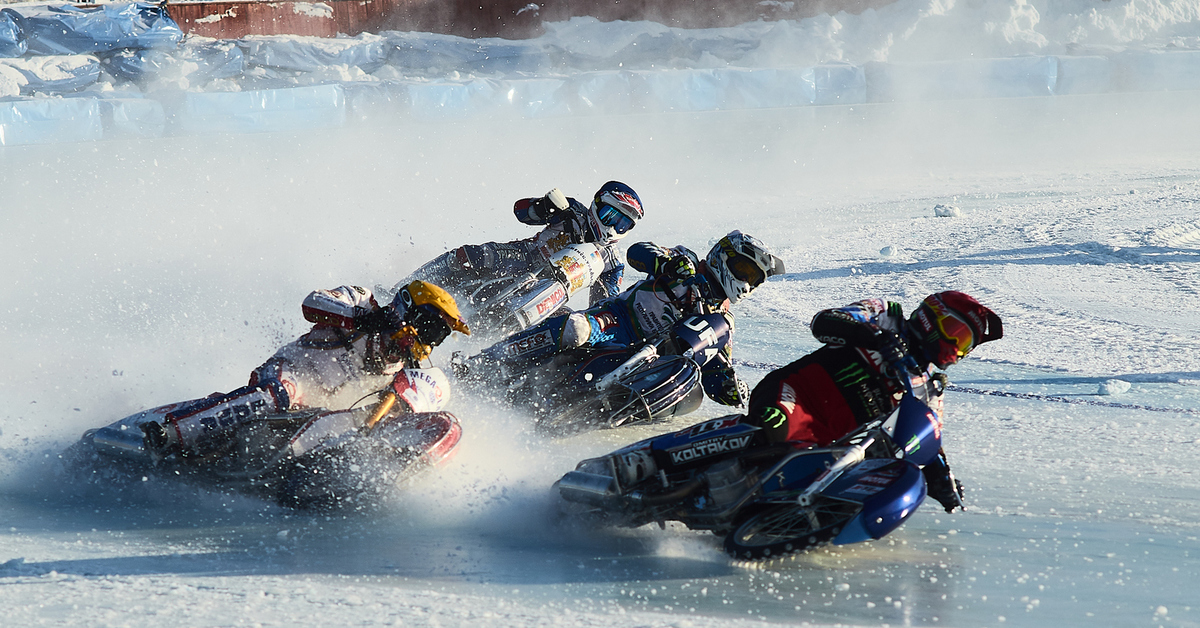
<point x="430" y="325"/>
<point x="612" y="217"/>
<point x="745" y="269"/>
<point x="957" y="338"/>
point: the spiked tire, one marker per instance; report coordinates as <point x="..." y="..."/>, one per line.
<point x="779" y="529"/>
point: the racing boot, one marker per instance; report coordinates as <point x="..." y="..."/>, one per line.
<point x="634" y="466"/>
<point x="158" y="441"/>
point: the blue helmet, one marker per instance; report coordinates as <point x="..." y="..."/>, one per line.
<point x="615" y="209"/>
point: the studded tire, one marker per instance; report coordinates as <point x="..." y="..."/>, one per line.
<point x="773" y="530"/>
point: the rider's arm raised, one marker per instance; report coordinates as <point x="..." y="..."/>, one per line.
<point x="854" y="325"/>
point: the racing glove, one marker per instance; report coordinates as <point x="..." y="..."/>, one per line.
<point x="552" y="203"/>
<point x="733" y="392"/>
<point x="676" y="267"/>
<point x="894" y="352"/>
<point x="942" y="485"/>
<point x="377" y="320"/>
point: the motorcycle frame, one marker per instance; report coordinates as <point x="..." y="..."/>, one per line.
<point x="844" y="454"/>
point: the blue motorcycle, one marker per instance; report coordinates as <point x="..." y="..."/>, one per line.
<point x="767" y="501"/>
<point x="612" y="385"/>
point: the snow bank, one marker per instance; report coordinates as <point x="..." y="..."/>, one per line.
<point x="908" y="51"/>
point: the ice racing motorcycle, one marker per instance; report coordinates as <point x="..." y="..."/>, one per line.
<point x="611" y="385"/>
<point x="766" y="501"/>
<point x="313" y="458"/>
<point x="501" y="305"/>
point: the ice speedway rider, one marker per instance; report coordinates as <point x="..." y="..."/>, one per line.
<point x="853" y="378"/>
<point x="614" y="210"/>
<point x="352" y="339"/>
<point x="678" y="284"/>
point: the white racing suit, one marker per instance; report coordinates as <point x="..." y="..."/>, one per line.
<point x="331" y="366"/>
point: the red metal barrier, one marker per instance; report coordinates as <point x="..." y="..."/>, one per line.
<point x="511" y="19"/>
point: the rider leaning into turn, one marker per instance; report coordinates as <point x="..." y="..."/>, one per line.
<point x="614" y="210"/>
<point x="352" y="339"/>
<point x="853" y="379"/>
<point x="679" y="284"/>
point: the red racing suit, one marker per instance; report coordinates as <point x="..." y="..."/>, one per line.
<point x="833" y="390"/>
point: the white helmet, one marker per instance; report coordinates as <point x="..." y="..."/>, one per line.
<point x="615" y="209"/>
<point x="739" y="263"/>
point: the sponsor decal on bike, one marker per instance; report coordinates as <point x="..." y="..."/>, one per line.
<point x="529" y="344"/>
<point x="710" y="447"/>
<point x="869" y="485"/>
<point x="233" y="415"/>
<point x="573" y="270"/>
<point x="556" y="244"/>
<point x="551" y="301"/>
<point x="711" y="426"/>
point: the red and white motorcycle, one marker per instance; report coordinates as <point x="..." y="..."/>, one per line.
<point x="311" y="458"/>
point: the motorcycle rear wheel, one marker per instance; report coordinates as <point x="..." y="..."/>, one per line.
<point x="779" y="529"/>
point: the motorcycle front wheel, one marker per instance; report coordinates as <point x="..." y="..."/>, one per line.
<point x="773" y="530"/>
<point x="612" y="409"/>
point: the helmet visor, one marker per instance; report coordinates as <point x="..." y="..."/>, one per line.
<point x="430" y="324"/>
<point x="745" y="269"/>
<point x="957" y="339"/>
<point x="612" y="217"/>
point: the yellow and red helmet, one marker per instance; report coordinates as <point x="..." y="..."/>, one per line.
<point x="950" y="324"/>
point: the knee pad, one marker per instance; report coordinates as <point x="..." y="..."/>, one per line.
<point x="577" y="330"/>
<point x="272" y="377"/>
<point x="470" y="257"/>
<point x="492" y="256"/>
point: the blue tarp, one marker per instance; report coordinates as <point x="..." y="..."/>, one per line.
<point x="308" y="54"/>
<point x="67" y="29"/>
<point x="12" y="37"/>
<point x="196" y="63"/>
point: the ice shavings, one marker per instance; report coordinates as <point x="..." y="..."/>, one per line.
<point x="1113" y="387"/>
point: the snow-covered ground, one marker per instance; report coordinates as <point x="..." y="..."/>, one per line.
<point x="152" y="271"/>
<point x="141" y="272"/>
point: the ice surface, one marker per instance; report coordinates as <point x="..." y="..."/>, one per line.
<point x="152" y="270"/>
